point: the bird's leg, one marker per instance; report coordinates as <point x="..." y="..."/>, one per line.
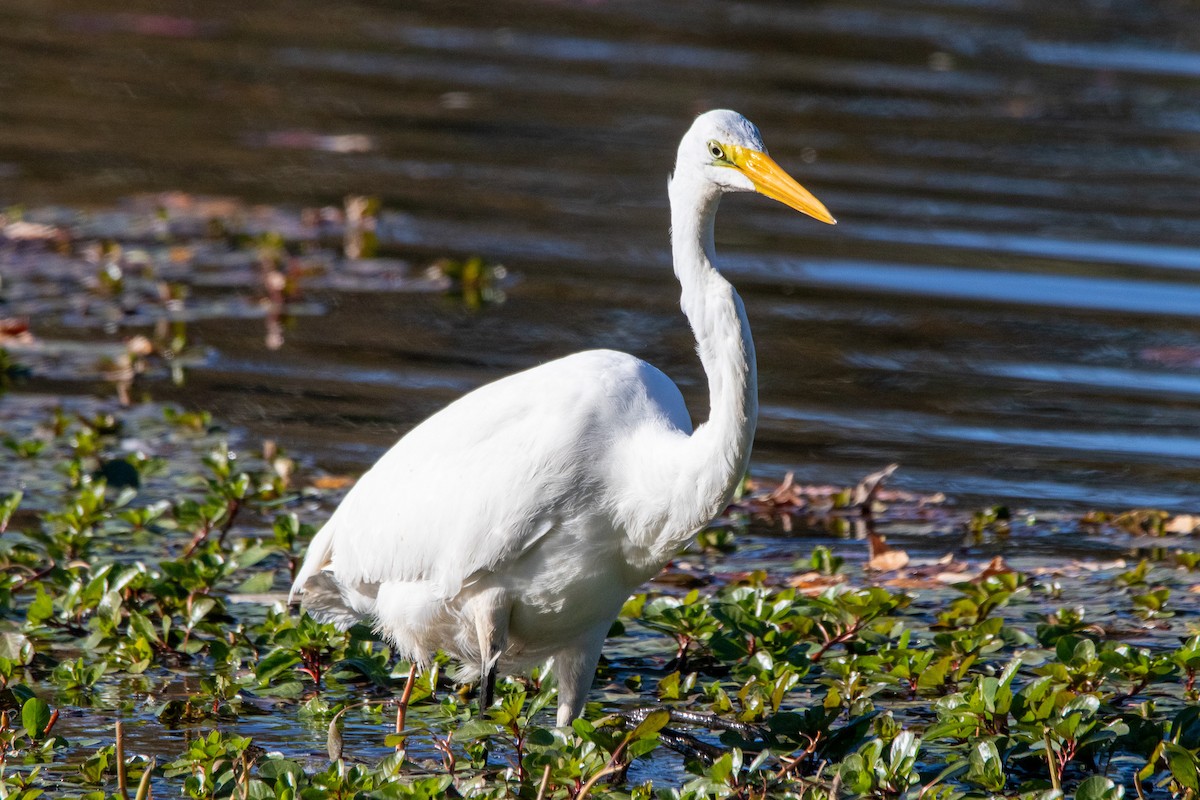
<point x="491" y="631"/>
<point x="489" y="689"/>
<point x="575" y="667"/>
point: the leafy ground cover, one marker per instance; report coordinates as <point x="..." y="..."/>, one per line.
<point x="818" y="642"/>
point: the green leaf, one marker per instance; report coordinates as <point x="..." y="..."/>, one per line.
<point x="8" y="507"/>
<point x="652" y="724"/>
<point x="252" y="555"/>
<point x="257" y="790"/>
<point x="182" y="711"/>
<point x="986" y="768"/>
<point x="904" y="748"/>
<point x="668" y="687"/>
<point x="854" y="774"/>
<point x="16" y="648"/>
<point x="35" y="716"/>
<point x="1185" y="728"/>
<point x="200" y="608"/>
<point x="143" y="791"/>
<point x="935" y="674"/>
<point x="1099" y="787"/>
<point x="641" y="747"/>
<point x="276" y="663"/>
<point x="475" y="729"/>
<point x="272" y="768"/>
<point x="286" y="689"/>
<point x="369" y="668"/>
<point x="142" y="627"/>
<point x="40" y="609"/>
<point x="1185" y="768"/>
<point x="539" y="737"/>
<point x="721" y="768"/>
<point x="257" y="583"/>
<point x="391" y="764"/>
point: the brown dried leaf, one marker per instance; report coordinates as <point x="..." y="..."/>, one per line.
<point x="944" y="570"/>
<point x="1184" y="523"/>
<point x="11" y="326"/>
<point x="783" y="494"/>
<point x="889" y="561"/>
<point x="912" y="582"/>
<point x="814" y="579"/>
<point x="684" y="580"/>
<point x="139" y="345"/>
<point x="884" y="558"/>
<point x="333" y="739"/>
<point x="867" y="488"/>
<point x="1076" y="568"/>
<point x="994" y="567"/>
<point x="15" y="330"/>
<point x="28" y="231"/>
<point x="332" y="481"/>
<point x="813" y="583"/>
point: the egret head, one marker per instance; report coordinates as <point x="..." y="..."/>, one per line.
<point x="727" y="149"/>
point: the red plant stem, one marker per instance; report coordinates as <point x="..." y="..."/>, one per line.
<point x="402" y="706"/>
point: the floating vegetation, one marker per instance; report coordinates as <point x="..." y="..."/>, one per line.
<point x="472" y="280"/>
<point x="10" y="370"/>
<point x="146" y="647"/>
<point x="138" y="276"/>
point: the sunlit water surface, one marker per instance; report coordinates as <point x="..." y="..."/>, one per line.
<point x="1009" y="307"/>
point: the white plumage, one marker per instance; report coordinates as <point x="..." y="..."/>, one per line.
<point x="510" y="527"/>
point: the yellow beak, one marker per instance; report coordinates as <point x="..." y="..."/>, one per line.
<point x="770" y="179"/>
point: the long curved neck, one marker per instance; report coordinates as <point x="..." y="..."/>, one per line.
<point x="715" y="457"/>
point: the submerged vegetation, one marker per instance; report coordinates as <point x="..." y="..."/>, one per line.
<point x="142" y="278"/>
<point x="143" y="577"/>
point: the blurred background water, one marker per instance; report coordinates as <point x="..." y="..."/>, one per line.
<point x="1008" y="308"/>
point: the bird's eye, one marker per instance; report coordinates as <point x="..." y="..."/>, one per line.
<point x="715" y="150"/>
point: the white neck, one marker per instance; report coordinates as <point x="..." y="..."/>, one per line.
<point x="713" y="461"/>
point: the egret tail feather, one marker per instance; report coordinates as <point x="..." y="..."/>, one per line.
<point x="324" y="600"/>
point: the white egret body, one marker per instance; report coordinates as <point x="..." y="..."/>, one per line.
<point x="512" y="525"/>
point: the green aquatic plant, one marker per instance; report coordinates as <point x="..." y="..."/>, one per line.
<point x="981" y="599"/>
<point x="823" y="561"/>
<point x="24" y="448"/>
<point x="166" y="607"/>
<point x="689" y="620"/>
<point x="472" y="280"/>
<point x="216" y="765"/>
<point x="882" y="769"/>
<point x="915" y="669"/>
<point x="8" y="507"/>
<point x="10" y="370"/>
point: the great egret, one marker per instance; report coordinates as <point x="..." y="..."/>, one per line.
<point x="510" y="527"/>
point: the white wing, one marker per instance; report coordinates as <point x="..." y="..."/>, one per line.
<point x="481" y="481"/>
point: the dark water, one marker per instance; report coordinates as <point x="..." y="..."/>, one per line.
<point x="1009" y="306"/>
